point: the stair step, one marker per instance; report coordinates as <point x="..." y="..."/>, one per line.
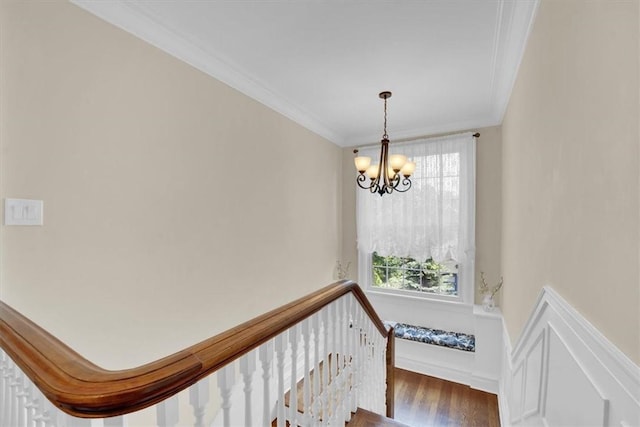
<point x="364" y="418"/>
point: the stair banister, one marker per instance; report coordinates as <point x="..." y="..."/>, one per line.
<point x="82" y="389"/>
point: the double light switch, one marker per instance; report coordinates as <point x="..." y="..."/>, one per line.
<point x="22" y="212"/>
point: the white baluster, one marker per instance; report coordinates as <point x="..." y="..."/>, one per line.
<point x="348" y="359"/>
<point x="20" y="400"/>
<point x="14" y="385"/>
<point x="281" y="342"/>
<point x="383" y="373"/>
<point x="326" y="355"/>
<point x="226" y="381"/>
<point x="247" y="368"/>
<point x="306" y="389"/>
<point x="342" y="384"/>
<point x="317" y="377"/>
<point x="167" y="412"/>
<point x="362" y="361"/>
<point x="31" y="404"/>
<point x="198" y="398"/>
<point x="266" y="356"/>
<point x="372" y="364"/>
<point x="337" y="413"/>
<point x="334" y="408"/>
<point x="42" y="412"/>
<point x="6" y="400"/>
<point x="3" y="384"/>
<point x="347" y="355"/>
<point x="293" y="391"/>
<point x="374" y="367"/>
<point x="369" y="363"/>
<point x="353" y="345"/>
<point x="51" y="413"/>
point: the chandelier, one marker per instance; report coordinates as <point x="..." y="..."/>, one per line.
<point x="391" y="173"/>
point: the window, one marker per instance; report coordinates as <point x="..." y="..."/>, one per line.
<point x="390" y="272"/>
<point x="422" y="242"/>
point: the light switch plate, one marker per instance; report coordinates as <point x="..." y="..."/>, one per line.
<point x="22" y="212"/>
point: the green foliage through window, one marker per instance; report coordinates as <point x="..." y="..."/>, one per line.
<point x="408" y="274"/>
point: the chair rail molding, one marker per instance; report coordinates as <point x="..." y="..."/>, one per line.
<point x="563" y="371"/>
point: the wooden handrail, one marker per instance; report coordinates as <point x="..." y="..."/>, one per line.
<point x="80" y="388"/>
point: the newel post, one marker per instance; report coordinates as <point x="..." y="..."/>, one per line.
<point x="391" y="363"/>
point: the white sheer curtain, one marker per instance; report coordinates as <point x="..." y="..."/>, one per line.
<point x="436" y="217"/>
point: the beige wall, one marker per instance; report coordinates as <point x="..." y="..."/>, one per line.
<point x="488" y="207"/>
<point x="570" y="168"/>
<point x="174" y="206"/>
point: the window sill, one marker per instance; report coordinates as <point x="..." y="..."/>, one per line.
<point x="455" y="305"/>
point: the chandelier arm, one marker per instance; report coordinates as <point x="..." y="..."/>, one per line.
<point x="395" y="181"/>
<point x="361" y="179"/>
<point x="406" y="182"/>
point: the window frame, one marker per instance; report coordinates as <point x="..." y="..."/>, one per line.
<point x="465" y="282"/>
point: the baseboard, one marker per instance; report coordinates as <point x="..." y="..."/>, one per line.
<point x="563" y="371"/>
<point x="484" y="383"/>
<point x="452" y="374"/>
<point x="436" y="361"/>
<point x="434" y="370"/>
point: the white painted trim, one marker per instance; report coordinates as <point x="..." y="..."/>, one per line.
<point x="510" y="36"/>
<point x="458" y="374"/>
<point x="505" y="375"/>
<point x="440" y="362"/>
<point x="614" y="380"/>
<point x="621" y="367"/>
<point x="453" y="306"/>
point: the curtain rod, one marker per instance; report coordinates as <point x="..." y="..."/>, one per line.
<point x="476" y="135"/>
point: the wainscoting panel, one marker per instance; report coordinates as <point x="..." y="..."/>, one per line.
<point x="533" y="377"/>
<point x="568" y="378"/>
<point x="563" y="372"/>
<point x="515" y="397"/>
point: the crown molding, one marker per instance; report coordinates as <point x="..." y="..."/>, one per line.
<point x="513" y="25"/>
<point x="126" y="16"/>
<point x="514" y="20"/>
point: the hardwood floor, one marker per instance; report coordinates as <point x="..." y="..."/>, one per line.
<point x="422" y="401"/>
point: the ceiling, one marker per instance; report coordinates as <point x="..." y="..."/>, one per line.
<point x="450" y="64"/>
